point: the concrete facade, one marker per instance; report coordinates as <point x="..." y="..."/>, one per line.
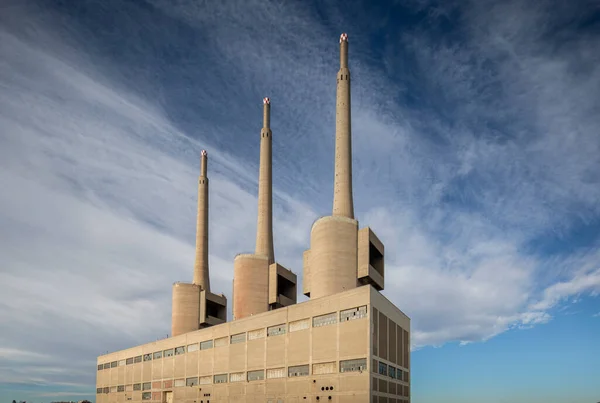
<point x="348" y="347"/>
<point x="348" y="343"/>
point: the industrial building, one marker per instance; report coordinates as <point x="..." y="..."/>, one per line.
<point x="347" y="343"/>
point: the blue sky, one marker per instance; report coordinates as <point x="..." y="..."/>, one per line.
<point x="476" y="161"/>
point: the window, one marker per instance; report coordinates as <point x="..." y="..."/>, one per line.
<point x="137" y="386"/>
<point x="299" y="325"/>
<point x="257" y="375"/>
<point x="179" y="382"/>
<point x="221" y="378"/>
<point x="167" y="384"/>
<point x="146" y="386"/>
<point x="121" y="388"/>
<point x="382" y="368"/>
<point x="237" y="377"/>
<point x="113" y="389"/>
<point x="113" y="364"/>
<point x="221" y="341"/>
<point x="100" y="367"/>
<point x="168" y="353"/>
<point x="324" y="368"/>
<point x="105" y="390"/>
<point x="146" y="395"/>
<point x="399" y="374"/>
<point x="192" y="347"/>
<point x="193" y="381"/>
<point x="275" y="373"/>
<point x="354" y="313"/>
<point x="205" y="345"/>
<point x="238" y="338"/>
<point x="353" y="365"/>
<point x="275" y="330"/>
<point x="179" y="350"/>
<point x="147" y="357"/>
<point x="298" y="370"/>
<point x="375" y="366"/>
<point x="98" y="390"/>
<point x="137" y="359"/>
<point x="324" y="320"/>
<point x="157" y="355"/>
<point x="121" y="363"/>
<point x="128" y="388"/>
<point x="256" y="334"/>
<point x="107" y="365"/>
<point x="129" y="361"/>
<point x="205" y="380"/>
<point x="392" y="372"/>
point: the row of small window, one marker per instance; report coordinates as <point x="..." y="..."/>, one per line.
<point x="388" y="370"/>
<point x="317" y="321"/>
<point x="355" y="365"/>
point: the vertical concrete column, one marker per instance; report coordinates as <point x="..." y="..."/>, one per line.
<point x="201" y="274"/>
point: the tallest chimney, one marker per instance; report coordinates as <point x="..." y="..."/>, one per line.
<point x="343" y="204"/>
<point x="201" y="276"/>
<point x="264" y="231"/>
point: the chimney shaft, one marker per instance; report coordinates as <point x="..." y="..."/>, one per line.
<point x="201" y="275"/>
<point x="264" y="231"/>
<point x="343" y="204"/>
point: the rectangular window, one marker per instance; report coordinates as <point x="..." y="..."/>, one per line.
<point x="113" y="364"/>
<point x="107" y="365"/>
<point x="147" y="357"/>
<point x="205" y="380"/>
<point x="256" y="334"/>
<point x="257" y="375"/>
<point x="192" y="347"/>
<point x="399" y="374"/>
<point x="221" y="341"/>
<point x="179" y="383"/>
<point x="324" y="320"/>
<point x="382" y="368"/>
<point x="137" y="359"/>
<point x="137" y="386"/>
<point x="375" y="366"/>
<point x="354" y="313"/>
<point x="357" y="365"/>
<point x="179" y="350"/>
<point x="121" y="363"/>
<point x="147" y="386"/>
<point x="193" y="381"/>
<point x="168" y="353"/>
<point x="129" y="361"/>
<point x="299" y="325"/>
<point x="167" y="384"/>
<point x="113" y="389"/>
<point x="128" y="388"/>
<point x="157" y="355"/>
<point x="276" y="330"/>
<point x="221" y="378"/>
<point x="238" y="338"/>
<point x="105" y="390"/>
<point x="121" y="388"/>
<point x="298" y="370"/>
<point x="237" y="377"/>
<point x="275" y="373"/>
<point x="100" y="367"/>
<point x="146" y="395"/>
<point x="98" y="390"/>
<point x="324" y="368"/>
<point x="392" y="372"/>
<point x="205" y="345"/>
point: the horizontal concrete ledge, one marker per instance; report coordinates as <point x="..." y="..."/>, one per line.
<point x="184" y="284"/>
<point x="250" y="256"/>
<point x="334" y="218"/>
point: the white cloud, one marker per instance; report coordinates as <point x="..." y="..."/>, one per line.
<point x="99" y="216"/>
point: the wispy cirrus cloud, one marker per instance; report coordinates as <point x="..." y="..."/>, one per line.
<point x="469" y="155"/>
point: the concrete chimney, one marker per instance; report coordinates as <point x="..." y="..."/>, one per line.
<point x="343" y="204"/>
<point x="201" y="275"/>
<point x="264" y="230"/>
